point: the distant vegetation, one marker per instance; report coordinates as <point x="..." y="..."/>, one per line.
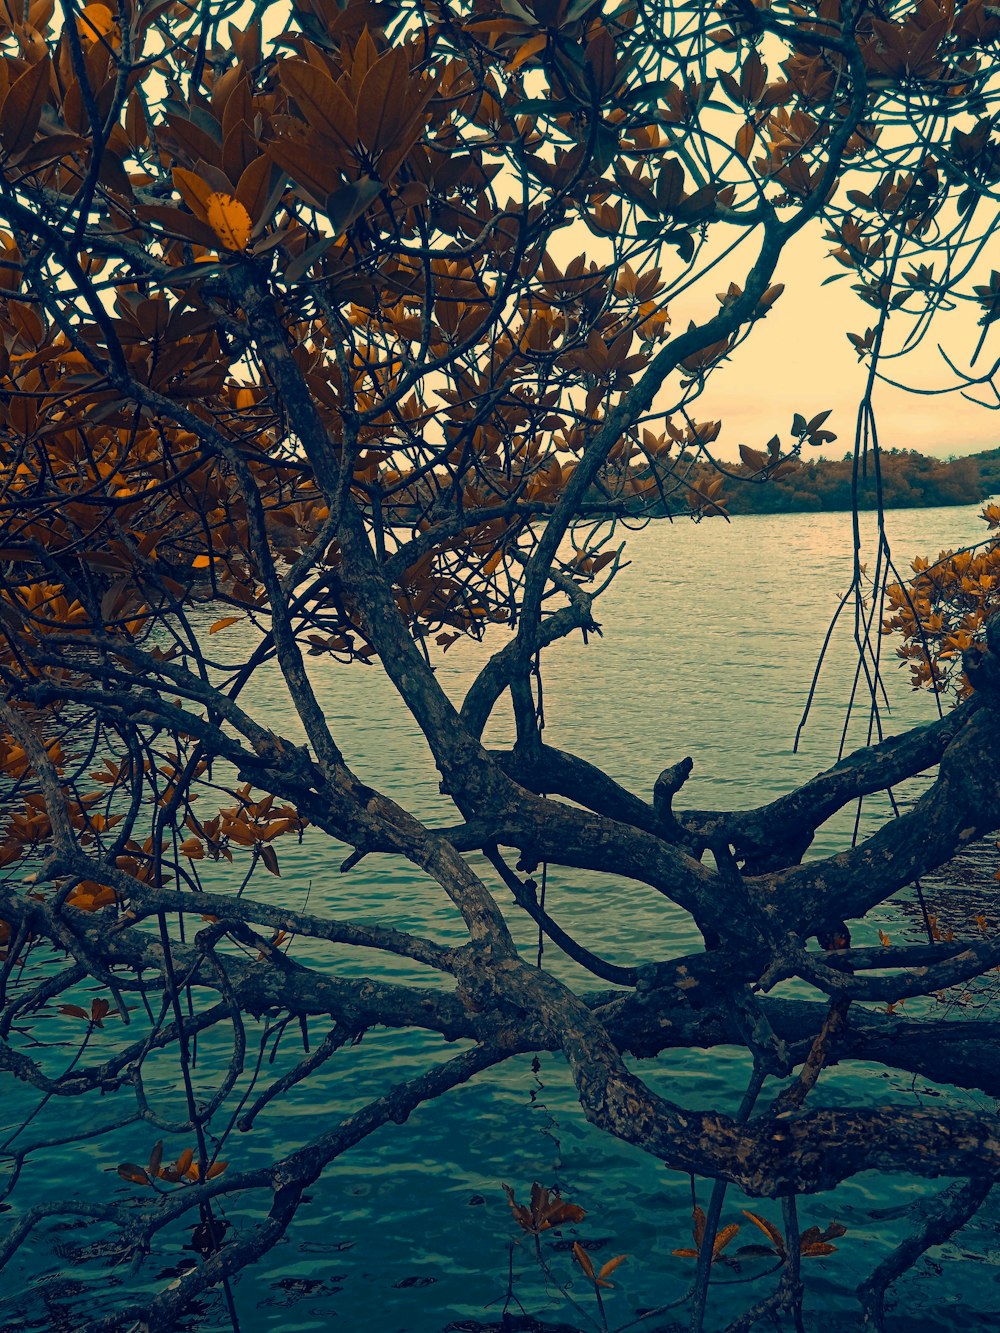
<point x="909" y="479"/>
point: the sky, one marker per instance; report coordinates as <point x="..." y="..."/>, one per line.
<point x="799" y="359"/>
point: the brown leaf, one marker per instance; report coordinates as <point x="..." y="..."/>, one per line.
<point x="254" y="187"/>
<point x="756" y="460"/>
<point x="785" y="467"/>
<point x="816" y="1249"/>
<point x="176" y="222"/>
<point x="745" y="140"/>
<point x="136" y="1174"/>
<point x="22" y="107"/>
<point x="193" y="190"/>
<point x="382" y="99"/>
<point x="346" y="205"/>
<point x="325" y="106"/>
<point x="770" y="296"/>
<point x="307" y="169"/>
<point x="584" y="1260"/>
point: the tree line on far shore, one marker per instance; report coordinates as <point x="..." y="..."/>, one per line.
<point x="908" y="479"/>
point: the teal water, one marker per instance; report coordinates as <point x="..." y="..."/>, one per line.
<point x="710" y="640"/>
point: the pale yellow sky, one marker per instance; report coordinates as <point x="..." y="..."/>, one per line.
<point x="799" y="359"/>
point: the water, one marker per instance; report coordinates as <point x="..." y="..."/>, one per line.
<point x="710" y="640"/>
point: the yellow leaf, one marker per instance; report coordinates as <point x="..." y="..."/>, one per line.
<point x="530" y="48"/>
<point x="229" y="220"/>
<point x="95" y="21"/>
<point x="201" y="562"/>
<point x="769" y="1230"/>
<point x="723" y="1239"/>
<point x="216" y="1169"/>
<point x="224" y="622"/>
<point x="609" y="1268"/>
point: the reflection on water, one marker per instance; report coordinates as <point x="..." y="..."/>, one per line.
<point x="710" y="639"/>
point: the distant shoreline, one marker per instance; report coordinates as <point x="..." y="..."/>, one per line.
<point x="909" y="480"/>
<point x="864" y="508"/>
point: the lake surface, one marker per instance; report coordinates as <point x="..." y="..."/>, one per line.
<point x="710" y="641"/>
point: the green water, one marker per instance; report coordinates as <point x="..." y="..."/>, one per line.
<point x="710" y="639"/>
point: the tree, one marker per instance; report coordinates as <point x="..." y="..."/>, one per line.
<point x="298" y="336"/>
